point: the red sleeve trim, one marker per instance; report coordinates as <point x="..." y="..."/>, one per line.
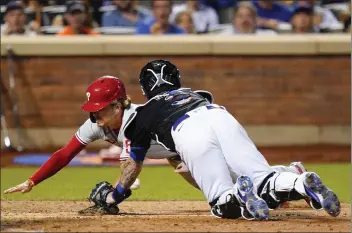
<point x="80" y="140"/>
<point x="57" y="161"/>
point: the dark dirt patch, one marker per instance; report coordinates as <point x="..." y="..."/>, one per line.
<point x="161" y="216"/>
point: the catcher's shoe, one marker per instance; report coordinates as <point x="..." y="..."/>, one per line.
<point x="100" y="210"/>
<point x="256" y="206"/>
<point x="320" y="196"/>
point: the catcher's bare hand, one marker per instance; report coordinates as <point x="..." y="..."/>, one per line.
<point x="23" y="188"/>
<point x="182" y="168"/>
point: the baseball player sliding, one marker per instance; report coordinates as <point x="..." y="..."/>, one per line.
<point x="110" y="109"/>
<point x="214" y="147"/>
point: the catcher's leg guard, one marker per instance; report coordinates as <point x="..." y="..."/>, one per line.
<point x="294" y="167"/>
<point x="288" y="187"/>
<point x="278" y="188"/>
<point x="231" y="209"/>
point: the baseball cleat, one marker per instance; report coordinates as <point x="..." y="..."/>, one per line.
<point x="256" y="206"/>
<point x="320" y="196"/>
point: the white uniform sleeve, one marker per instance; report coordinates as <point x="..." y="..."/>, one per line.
<point x="89" y="132"/>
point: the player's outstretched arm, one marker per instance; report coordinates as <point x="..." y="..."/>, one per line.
<point x="54" y="164"/>
<point x="130" y="170"/>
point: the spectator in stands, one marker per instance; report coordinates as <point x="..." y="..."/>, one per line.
<point x="35" y="17"/>
<point x="89" y="22"/>
<point x="302" y="20"/>
<point x="271" y="13"/>
<point x="288" y="2"/>
<point x="326" y="2"/>
<point x="159" y="24"/>
<point x="204" y="17"/>
<point x="184" y="21"/>
<point x="76" y="17"/>
<point x="223" y="8"/>
<point x="15" y="19"/>
<point x="125" y="14"/>
<point x="244" y="21"/>
<point x="347" y="25"/>
<point x="323" y="18"/>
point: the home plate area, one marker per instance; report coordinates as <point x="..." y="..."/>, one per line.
<point x="163" y="216"/>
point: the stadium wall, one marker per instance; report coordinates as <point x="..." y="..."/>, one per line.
<point x="286" y="90"/>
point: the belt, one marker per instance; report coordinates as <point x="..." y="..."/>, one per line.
<point x="186" y="116"/>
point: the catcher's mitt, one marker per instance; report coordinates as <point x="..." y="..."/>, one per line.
<point x="98" y="197"/>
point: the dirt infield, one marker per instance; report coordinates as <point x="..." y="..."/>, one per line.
<point x="165" y="216"/>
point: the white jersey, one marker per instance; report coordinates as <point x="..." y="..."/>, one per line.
<point x="90" y="132"/>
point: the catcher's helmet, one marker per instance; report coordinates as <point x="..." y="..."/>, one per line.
<point x="159" y="76"/>
<point x="102" y="92"/>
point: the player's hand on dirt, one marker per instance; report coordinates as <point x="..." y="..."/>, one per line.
<point x="181" y="168"/>
<point x="23" y="188"/>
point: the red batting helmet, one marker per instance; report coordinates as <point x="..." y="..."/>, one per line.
<point x="102" y="92"/>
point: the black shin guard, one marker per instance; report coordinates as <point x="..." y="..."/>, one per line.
<point x="231" y="209"/>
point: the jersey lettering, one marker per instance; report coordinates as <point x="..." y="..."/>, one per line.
<point x="128" y="146"/>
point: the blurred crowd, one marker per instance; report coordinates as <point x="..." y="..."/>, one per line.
<point x="222" y="17"/>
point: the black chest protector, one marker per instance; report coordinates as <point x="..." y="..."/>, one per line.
<point x="159" y="114"/>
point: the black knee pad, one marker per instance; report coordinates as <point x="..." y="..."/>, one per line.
<point x="230" y="209"/>
<point x="270" y="201"/>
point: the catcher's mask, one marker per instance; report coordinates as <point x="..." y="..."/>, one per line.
<point x="159" y="76"/>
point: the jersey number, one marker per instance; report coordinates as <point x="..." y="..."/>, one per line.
<point x="128" y="144"/>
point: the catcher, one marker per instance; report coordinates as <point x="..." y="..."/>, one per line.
<point x="215" y="148"/>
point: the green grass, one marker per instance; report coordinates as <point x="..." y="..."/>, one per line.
<point x="157" y="183"/>
<point x="75" y="183"/>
